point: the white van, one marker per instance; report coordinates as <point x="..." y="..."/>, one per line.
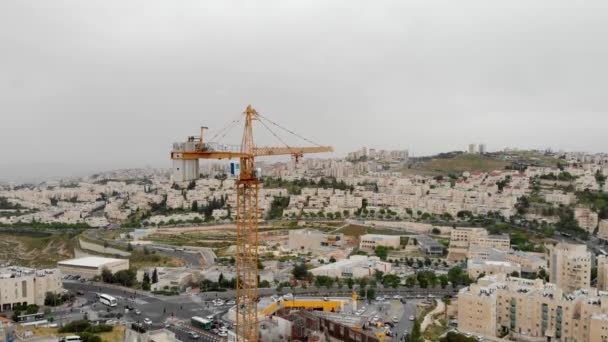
<point x="71" y="338"/>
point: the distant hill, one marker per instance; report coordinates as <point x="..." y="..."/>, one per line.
<point x="455" y="163"/>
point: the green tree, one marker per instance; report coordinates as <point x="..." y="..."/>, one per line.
<point x="145" y="285"/>
<point x="410" y="281"/>
<point x="416" y="334"/>
<point x="381" y="252"/>
<point x="300" y="272"/>
<point x="129" y="247"/>
<point x="332" y="259"/>
<point x="155" y="276"/>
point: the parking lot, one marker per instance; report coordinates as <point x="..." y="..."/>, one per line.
<point x="392" y="315"/>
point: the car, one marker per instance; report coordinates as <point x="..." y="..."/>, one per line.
<point x="412" y="318"/>
<point x="230" y="302"/>
<point x="223" y="329"/>
<point x="215" y="331"/>
<point x="147" y="321"/>
<point x="129" y="307"/>
<point x="193" y="335"/>
<point x="397" y="297"/>
<point x="395" y="319"/>
<point x="80" y="293"/>
<point x="82" y="280"/>
<point x="326" y="299"/>
<point x="111" y="322"/>
<point x="222" y="334"/>
<point x="274" y="298"/>
<point x="379" y="299"/>
<point x="288" y="296"/>
<point x="137" y="312"/>
<point x="405" y="332"/>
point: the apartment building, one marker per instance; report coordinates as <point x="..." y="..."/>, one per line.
<point x="602" y="273"/>
<point x="476" y="268"/>
<point x="570" y="266"/>
<point x="586" y="219"/>
<point x="462" y="239"/>
<point x="369" y="242"/>
<point x="558" y="197"/>
<point x="602" y="232"/>
<point x="22" y="285"/>
<point x="530" y="310"/>
<point x="529" y="262"/>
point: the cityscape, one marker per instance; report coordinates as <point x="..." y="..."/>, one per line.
<point x="405" y="172"/>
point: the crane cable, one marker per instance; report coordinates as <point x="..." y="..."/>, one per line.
<point x="273" y="133"/>
<point x="229" y="126"/>
<point x="226" y="130"/>
<point x="289" y="131"/>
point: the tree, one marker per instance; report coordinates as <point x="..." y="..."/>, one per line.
<point x="129" y="247"/>
<point x="381" y="252"/>
<point x="332" y="259"/>
<point x="107" y="276"/>
<point x="378" y="274"/>
<point x="443" y="280"/>
<point x="106" y="244"/>
<point x="515" y="274"/>
<point x="146" y="282"/>
<point x="371" y="293"/>
<point x="350" y="282"/>
<point x="391" y="280"/>
<point x="300" y="272"/>
<point x="435" y="231"/>
<point x="194" y="206"/>
<point x="125" y="277"/>
<point x="155" y="276"/>
<point x="410" y="281"/>
<point x="416" y="335"/>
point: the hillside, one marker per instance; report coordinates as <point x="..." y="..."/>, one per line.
<point x="36" y="250"/>
<point x="455" y="164"/>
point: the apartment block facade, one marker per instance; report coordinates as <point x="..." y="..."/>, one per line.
<point x="21" y="285"/>
<point x="529" y="310"/>
<point x="570" y="266"/>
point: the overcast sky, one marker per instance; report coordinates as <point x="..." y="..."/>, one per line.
<point x="97" y="85"/>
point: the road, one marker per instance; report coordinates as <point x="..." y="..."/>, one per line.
<point x="192" y="259"/>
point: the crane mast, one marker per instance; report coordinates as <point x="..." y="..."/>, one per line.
<point x="247" y="211"/>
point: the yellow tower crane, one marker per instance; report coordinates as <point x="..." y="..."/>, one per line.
<point x="247" y="207"/>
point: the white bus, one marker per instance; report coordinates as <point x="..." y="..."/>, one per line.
<point x="107" y="300"/>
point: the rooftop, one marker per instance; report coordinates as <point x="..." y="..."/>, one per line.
<point x="90" y="261"/>
<point x="18" y="271"/>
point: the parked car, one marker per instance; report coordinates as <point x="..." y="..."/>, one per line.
<point x="137" y="312"/>
<point x="412" y="318"/>
<point x="147" y="321"/>
<point x="193" y="335"/>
